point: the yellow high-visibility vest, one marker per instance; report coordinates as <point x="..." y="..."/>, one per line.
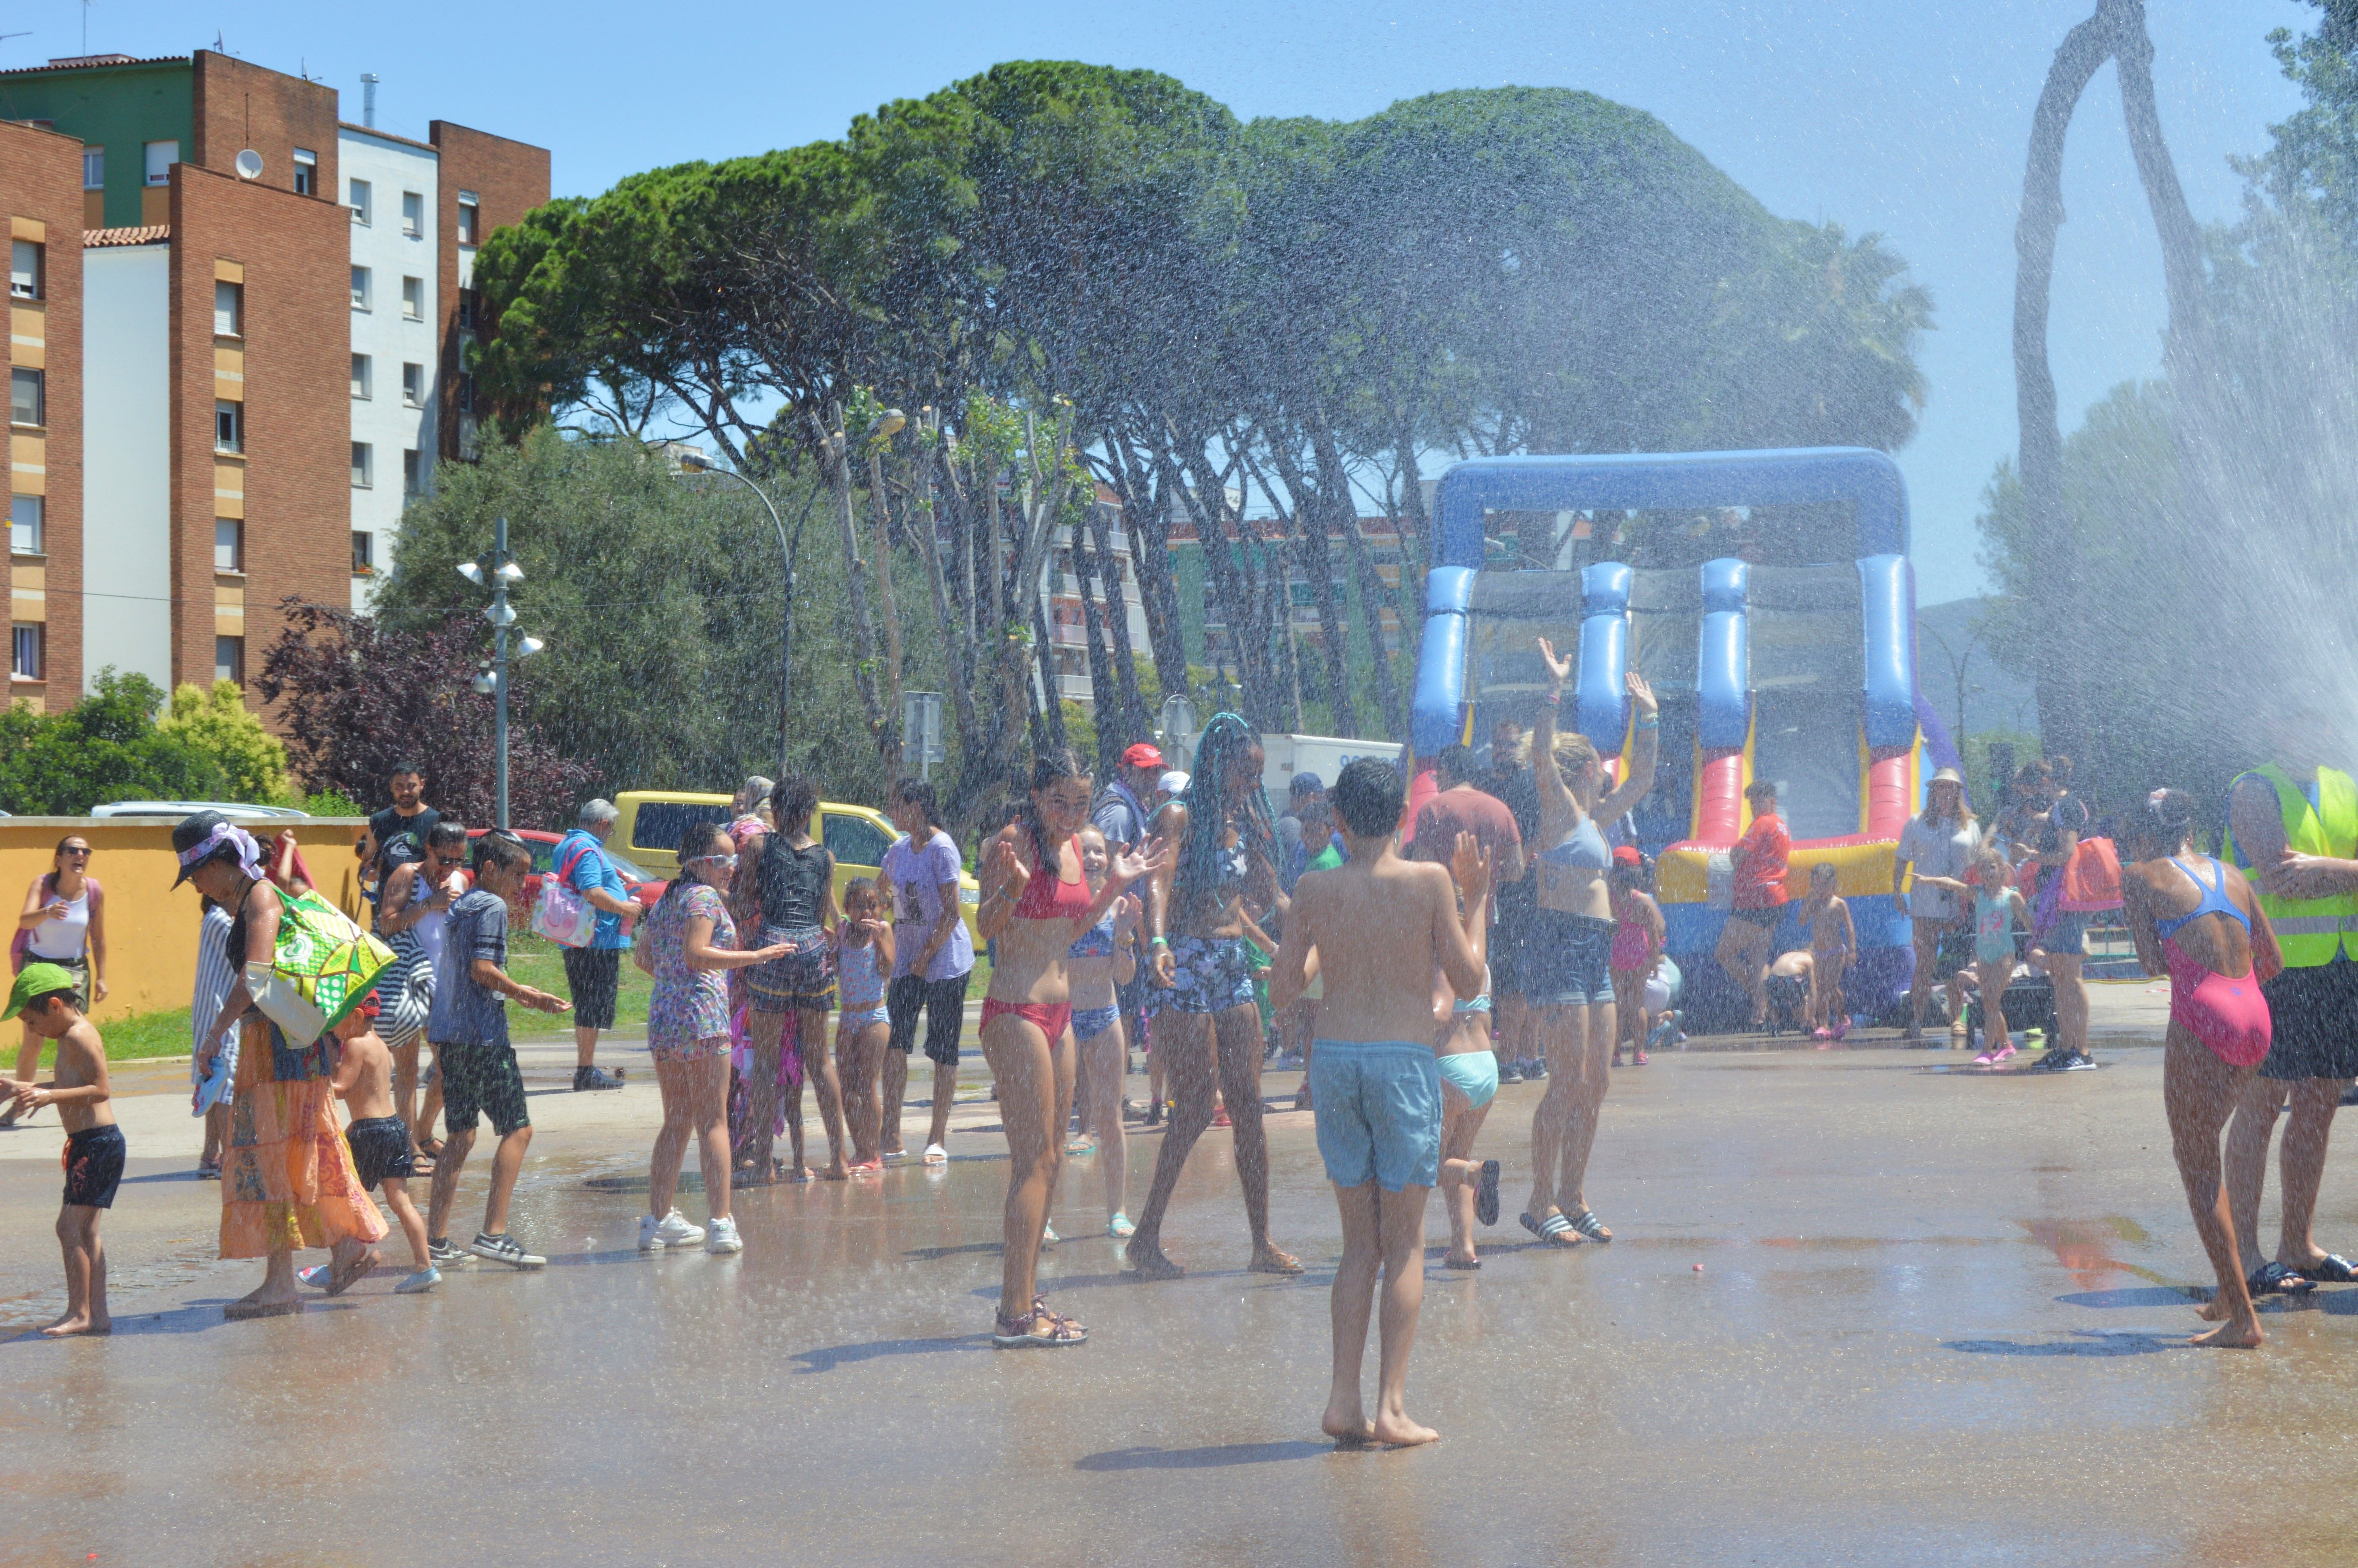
<point x="2311" y="931"/>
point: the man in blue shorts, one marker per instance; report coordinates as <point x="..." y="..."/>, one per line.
<point x="1378" y="927"/>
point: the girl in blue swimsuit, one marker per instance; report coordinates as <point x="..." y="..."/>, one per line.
<point x="1566" y="963"/>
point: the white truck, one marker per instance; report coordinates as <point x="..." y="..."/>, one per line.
<point x="1283" y="756"/>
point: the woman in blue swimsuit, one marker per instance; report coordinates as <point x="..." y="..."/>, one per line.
<point x="1566" y="963"/>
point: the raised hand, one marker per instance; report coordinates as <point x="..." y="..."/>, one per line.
<point x="1470" y="864"/>
<point x="1642" y="694"/>
<point x="1560" y="669"/>
<point x="1145" y="861"/>
<point x="1007" y="870"/>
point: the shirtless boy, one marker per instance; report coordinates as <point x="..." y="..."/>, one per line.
<point x="1833" y="943"/>
<point x="44" y="995"/>
<point x="380" y="1141"/>
<point x="1376" y="927"/>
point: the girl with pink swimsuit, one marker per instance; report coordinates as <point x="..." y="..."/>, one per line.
<point x="2198" y="920"/>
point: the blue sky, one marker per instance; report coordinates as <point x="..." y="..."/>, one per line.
<point x="1905" y="118"/>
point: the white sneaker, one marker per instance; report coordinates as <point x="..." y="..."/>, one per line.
<point x="671" y="1230"/>
<point x="723" y="1237"/>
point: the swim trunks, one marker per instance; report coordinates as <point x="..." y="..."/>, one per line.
<point x="380" y="1147"/>
<point x="1209" y="973"/>
<point x="1377" y="1107"/>
<point x="94" y="1164"/>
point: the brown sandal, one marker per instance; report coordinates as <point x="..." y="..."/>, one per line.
<point x="1038" y="1328"/>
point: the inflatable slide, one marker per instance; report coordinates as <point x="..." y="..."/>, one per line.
<point x="1804" y="674"/>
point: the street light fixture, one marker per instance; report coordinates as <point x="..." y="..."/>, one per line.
<point x="498" y="571"/>
<point x="689" y="460"/>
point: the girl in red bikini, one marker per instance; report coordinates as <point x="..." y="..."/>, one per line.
<point x="2196" y="919"/>
<point x="1035" y="904"/>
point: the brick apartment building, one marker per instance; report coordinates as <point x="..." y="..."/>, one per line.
<point x="200" y="247"/>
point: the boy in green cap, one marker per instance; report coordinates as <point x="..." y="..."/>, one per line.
<point x="44" y="996"/>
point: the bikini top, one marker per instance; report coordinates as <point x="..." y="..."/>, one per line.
<point x="2214" y="900"/>
<point x="1582" y="850"/>
<point x="1096" y="942"/>
<point x="1048" y="896"/>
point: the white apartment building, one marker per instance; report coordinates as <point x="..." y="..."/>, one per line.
<point x="1067" y="625"/>
<point x="392" y="187"/>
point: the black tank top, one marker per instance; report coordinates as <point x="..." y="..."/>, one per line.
<point x="793" y="883"/>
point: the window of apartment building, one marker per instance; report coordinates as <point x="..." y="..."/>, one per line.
<point x="25" y="650"/>
<point x="360" y="201"/>
<point x="93" y="168"/>
<point x="470" y="313"/>
<point x="412" y="213"/>
<point x="229" y="426"/>
<point x="161" y="156"/>
<point x="466" y="395"/>
<point x="228" y="310"/>
<point x="360" y="375"/>
<point x="229" y="545"/>
<point x="24" y="269"/>
<point x="25" y="524"/>
<point x="362" y="462"/>
<point x="471" y="218"/>
<point x="307" y="172"/>
<point x="229" y="659"/>
<point x="413" y="298"/>
<point x="363" y="551"/>
<point x="25" y="396"/>
<point x="412" y="385"/>
<point x="412" y="472"/>
<point x="360" y="288"/>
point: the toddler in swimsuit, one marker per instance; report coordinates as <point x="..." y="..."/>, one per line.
<point x="1832" y="941"/>
<point x="863" y="963"/>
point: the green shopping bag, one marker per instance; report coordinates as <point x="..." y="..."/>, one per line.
<point x="322" y="969"/>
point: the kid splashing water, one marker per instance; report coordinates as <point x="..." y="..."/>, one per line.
<point x="863" y="962"/>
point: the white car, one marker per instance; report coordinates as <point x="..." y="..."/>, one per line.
<point x="236" y="811"/>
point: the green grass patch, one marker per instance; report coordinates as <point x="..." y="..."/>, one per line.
<point x="141" y="1037"/>
<point x="537" y="962"/>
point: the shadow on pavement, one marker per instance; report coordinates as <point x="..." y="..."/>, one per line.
<point x="2087" y="1342"/>
<point x="1202" y="1458"/>
<point x="828" y="1358"/>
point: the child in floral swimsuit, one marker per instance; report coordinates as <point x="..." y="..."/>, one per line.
<point x="863" y="963"/>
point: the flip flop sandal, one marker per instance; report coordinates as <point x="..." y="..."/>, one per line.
<point x="1453" y="1263"/>
<point x="1588" y="1225"/>
<point x="1486" y="1194"/>
<point x="2275" y="1278"/>
<point x="2333" y="1270"/>
<point x="1554" y="1228"/>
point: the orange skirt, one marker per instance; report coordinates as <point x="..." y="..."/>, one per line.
<point x="287" y="1176"/>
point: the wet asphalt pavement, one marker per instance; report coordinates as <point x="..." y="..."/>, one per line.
<point x="1937" y="1321"/>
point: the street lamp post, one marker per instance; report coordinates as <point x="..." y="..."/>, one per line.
<point x="696" y="463"/>
<point x="498" y="571"/>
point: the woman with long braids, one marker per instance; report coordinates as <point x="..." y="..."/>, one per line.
<point x="1035" y="904"/>
<point x="1223" y="877"/>
<point x="1567" y="974"/>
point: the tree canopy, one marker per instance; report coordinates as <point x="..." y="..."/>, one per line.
<point x="1247" y="329"/>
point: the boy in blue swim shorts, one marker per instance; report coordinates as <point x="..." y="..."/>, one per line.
<point x="1376" y="928"/>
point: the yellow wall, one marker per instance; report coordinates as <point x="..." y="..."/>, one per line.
<point x="151" y="927"/>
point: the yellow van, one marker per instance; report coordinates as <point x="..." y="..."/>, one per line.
<point x="648" y="833"/>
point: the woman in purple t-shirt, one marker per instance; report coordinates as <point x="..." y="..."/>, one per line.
<point x="932" y="961"/>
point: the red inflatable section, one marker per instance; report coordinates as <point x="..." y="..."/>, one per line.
<point x="1719" y="799"/>
<point x="1891" y="798"/>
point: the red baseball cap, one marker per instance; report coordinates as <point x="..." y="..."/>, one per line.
<point x="1142" y="756"/>
<point x="1627" y="854"/>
